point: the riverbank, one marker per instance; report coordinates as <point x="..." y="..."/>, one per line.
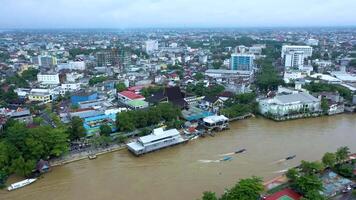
<point x="177" y="173"/>
<point x="84" y="155"/>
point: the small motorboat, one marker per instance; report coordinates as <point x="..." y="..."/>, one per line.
<point x="194" y="138"/>
<point x="92" y="156"/>
<point x="21" y="184"/>
<point x="226" y="158"/>
<point x="240" y="151"/>
<point x="291" y="157"/>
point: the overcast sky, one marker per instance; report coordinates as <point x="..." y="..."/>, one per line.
<point x="175" y="13"/>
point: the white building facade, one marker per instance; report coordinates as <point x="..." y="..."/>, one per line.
<point x="48" y="79"/>
<point x="308" y="50"/>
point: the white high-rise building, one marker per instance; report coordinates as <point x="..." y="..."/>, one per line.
<point x="307" y="50"/>
<point x="294" y="59"/>
<point x="151" y="46"/>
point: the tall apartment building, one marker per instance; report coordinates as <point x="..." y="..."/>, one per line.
<point x="241" y="62"/>
<point x="294" y="59"/>
<point x="107" y="58"/>
<point x="307" y="50"/>
<point x="151" y="46"/>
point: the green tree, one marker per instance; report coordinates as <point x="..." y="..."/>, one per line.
<point x="245" y="189"/>
<point x="310" y="168"/>
<point x="199" y="76"/>
<point x="313" y="195"/>
<point x="22" y="167"/>
<point x="307" y="183"/>
<point x="105" y="130"/>
<point x="120" y="87"/>
<point x="342" y="154"/>
<point x="324" y="105"/>
<point x="329" y="159"/>
<point x="345" y="170"/>
<point x="125" y="121"/>
<point x="292" y="174"/>
<point x="209" y="196"/>
<point x="76" y="128"/>
<point x="267" y="78"/>
<point x="30" y="74"/>
<point x="96" y="80"/>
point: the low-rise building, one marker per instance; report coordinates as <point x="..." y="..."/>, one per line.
<point x="42" y="95"/>
<point x="48" y="79"/>
<point x="290" y="106"/>
<point x="157" y="140"/>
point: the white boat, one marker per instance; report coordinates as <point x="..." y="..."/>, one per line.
<point x="21" y="184"/>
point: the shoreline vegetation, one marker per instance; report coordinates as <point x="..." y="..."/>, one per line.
<point x="305" y="179"/>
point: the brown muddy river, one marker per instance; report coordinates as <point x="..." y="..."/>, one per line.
<point x="185" y="171"/>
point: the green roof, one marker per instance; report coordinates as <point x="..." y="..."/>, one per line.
<point x="137" y="103"/>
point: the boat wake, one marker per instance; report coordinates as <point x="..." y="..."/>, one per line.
<point x="209" y="161"/>
<point x="227" y="154"/>
<point x="278" y="161"/>
<point x="280" y="171"/>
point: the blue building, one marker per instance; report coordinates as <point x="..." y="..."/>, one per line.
<point x="92" y="124"/>
<point x="83" y="96"/>
<point x="241" y="62"/>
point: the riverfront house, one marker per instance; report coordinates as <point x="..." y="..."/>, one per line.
<point x="290" y="106"/>
<point x="157" y="140"/>
<point x="219" y="122"/>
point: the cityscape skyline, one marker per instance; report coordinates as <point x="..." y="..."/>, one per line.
<point x="40" y="14"/>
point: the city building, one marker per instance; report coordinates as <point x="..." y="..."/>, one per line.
<point x="83" y="96"/>
<point x="45" y="61"/>
<point x="72" y="65"/>
<point x="294" y="59"/>
<point x="151" y="46"/>
<point x="41" y="95"/>
<point x="308" y="50"/>
<point x="107" y="58"/>
<point x="48" y="79"/>
<point x="312" y="42"/>
<point x="288" y="106"/>
<point x="241" y="62"/>
<point x="125" y="96"/>
<point x="157" y="140"/>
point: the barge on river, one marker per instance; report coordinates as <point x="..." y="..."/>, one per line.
<point x="158" y="139"/>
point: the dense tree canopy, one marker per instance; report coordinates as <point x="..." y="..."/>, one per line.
<point x="96" y="80"/>
<point x="245" y="189"/>
<point x="324" y="87"/>
<point x="30" y="74"/>
<point x="131" y="120"/>
<point x="200" y="90"/>
<point x="267" y="78"/>
<point x="76" y="129"/>
<point x="22" y="147"/>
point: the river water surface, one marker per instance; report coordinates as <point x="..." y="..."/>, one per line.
<point x="185" y="171"/>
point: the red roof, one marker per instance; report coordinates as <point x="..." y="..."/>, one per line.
<point x="286" y="192"/>
<point x="131" y="95"/>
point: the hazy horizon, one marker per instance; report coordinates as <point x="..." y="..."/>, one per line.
<point x="128" y="14"/>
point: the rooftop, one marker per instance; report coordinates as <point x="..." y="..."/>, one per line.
<point x="158" y="134"/>
<point x="131" y="95"/>
<point x="297" y="97"/>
